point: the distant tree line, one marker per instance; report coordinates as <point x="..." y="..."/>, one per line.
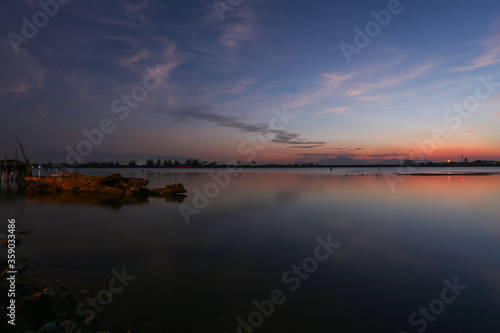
<point x="172" y="164"/>
<point x="196" y="163"/>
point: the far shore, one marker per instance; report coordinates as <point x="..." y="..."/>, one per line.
<point x="268" y="166"/>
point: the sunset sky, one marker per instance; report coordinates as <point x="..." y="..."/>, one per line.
<point x="224" y="78"/>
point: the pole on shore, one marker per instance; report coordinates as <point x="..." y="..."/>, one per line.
<point x="6" y="170"/>
<point x="15" y="166"/>
<point x="25" y="159"/>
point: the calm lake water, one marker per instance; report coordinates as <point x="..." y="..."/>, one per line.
<point x="398" y="246"/>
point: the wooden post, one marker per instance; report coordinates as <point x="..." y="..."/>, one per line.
<point x="15" y="166"/>
<point x="6" y="169"/>
<point x="25" y="160"/>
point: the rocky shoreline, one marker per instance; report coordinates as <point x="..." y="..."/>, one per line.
<point x="114" y="185"/>
<point x="45" y="305"/>
<point x="53" y="309"/>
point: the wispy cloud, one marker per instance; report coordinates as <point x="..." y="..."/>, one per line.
<point x="392" y="155"/>
<point x="307" y="147"/>
<point x="206" y="113"/>
<point x="237" y="87"/>
<point x="242" y="30"/>
<point x="388" y="86"/>
<point x="292" y="138"/>
<point x="111" y="21"/>
<point x="337" y="110"/>
<point x="329" y="84"/>
<point x="126" y="14"/>
<point x="134" y="9"/>
<point x="397" y="79"/>
<point x="491" y="56"/>
<point x="318" y="156"/>
<point x="141" y="52"/>
<point x="314" y="156"/>
<point x="364" y="85"/>
<point x="354" y="92"/>
<point x="477" y="127"/>
<point x="27" y="73"/>
<point x="346" y="150"/>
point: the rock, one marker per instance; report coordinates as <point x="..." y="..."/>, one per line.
<point x="97" y="187"/>
<point x="139" y="182"/>
<point x="114" y="185"/>
<point x="70" y="184"/>
<point x="169" y="190"/>
<point x="138" y="191"/>
<point x="75" y="182"/>
<point x="112" y="180"/>
<point x="132" y="191"/>
<point x="176" y="188"/>
<point x="69" y="175"/>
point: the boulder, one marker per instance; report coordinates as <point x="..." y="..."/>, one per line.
<point x="133" y="191"/>
<point x="169" y="190"/>
<point x="97" y="187"/>
<point x="114" y="185"/>
<point x="112" y="180"/>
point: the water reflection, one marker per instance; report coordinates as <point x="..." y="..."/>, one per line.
<point x="93" y="199"/>
<point x="397" y="248"/>
<point x="14" y="191"/>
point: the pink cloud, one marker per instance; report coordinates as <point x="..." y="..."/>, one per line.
<point x="242" y="30"/>
<point x="491" y="56"/>
<point x="337" y="110"/>
<point x="354" y="92"/>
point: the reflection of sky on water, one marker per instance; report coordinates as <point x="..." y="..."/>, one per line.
<point x="397" y="248"/>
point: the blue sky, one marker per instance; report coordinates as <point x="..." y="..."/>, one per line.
<point x="225" y="78"/>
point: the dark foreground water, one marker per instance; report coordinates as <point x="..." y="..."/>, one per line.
<point x="421" y="255"/>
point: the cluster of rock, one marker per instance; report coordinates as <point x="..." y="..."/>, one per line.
<point x="113" y="184"/>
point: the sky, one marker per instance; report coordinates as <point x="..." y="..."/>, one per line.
<point x="261" y="80"/>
